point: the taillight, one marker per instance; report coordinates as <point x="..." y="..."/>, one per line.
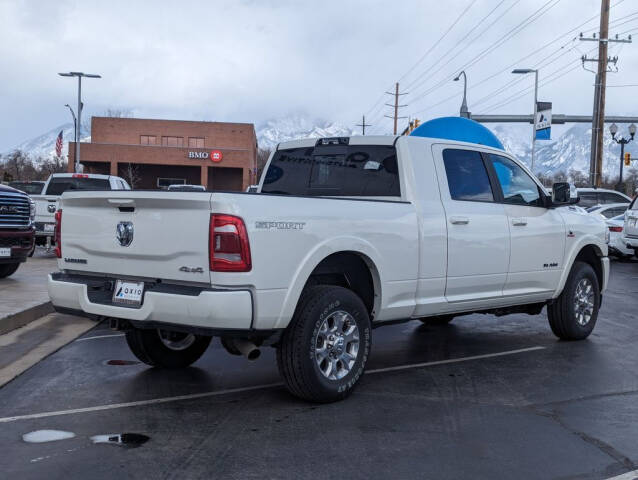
<point x="615" y="229"/>
<point x="57" y="233"/>
<point x="229" y="248"/>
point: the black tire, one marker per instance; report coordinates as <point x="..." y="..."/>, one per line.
<point x="149" y="348"/>
<point x="563" y="313"/>
<point x="8" y="269"/>
<point x="437" y="320"/>
<point x="296" y="353"/>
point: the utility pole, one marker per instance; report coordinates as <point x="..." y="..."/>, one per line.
<point x="363" y="125"/>
<point x="598" y="118"/>
<point x="396" y="106"/>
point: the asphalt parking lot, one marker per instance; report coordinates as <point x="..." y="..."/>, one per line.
<point x="483" y="397"/>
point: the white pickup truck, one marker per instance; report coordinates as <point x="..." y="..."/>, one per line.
<point x="46" y="203"/>
<point x="344" y="234"/>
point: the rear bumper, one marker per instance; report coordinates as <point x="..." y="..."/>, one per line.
<point x="630" y="241"/>
<point x="204" y="308"/>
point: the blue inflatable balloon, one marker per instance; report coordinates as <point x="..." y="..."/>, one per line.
<point x="460" y="129"/>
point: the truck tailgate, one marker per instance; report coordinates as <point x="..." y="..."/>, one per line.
<point x="169" y="234"/>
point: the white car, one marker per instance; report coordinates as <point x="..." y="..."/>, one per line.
<point x="46" y="204"/>
<point x="590" y="197"/>
<point x="630" y="233"/>
<point x="617" y="246"/>
<point x="347" y="233"/>
<point x="609" y="210"/>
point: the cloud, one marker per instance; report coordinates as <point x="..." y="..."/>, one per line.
<point x="257" y="60"/>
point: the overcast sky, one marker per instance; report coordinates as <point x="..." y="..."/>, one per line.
<point x="253" y="61"/>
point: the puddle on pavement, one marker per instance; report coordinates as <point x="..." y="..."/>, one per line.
<point x="41" y="436"/>
<point x="129" y="440"/>
<point x="121" y="362"/>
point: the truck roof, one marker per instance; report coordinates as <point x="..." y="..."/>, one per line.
<point x="80" y="175"/>
<point x="383" y="140"/>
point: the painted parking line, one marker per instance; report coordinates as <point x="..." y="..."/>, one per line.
<point x="97" y="337"/>
<point x="633" y="475"/>
<point x="155" y="401"/>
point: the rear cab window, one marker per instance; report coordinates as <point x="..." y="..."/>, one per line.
<point x="334" y="170"/>
<point x="59" y="185"/>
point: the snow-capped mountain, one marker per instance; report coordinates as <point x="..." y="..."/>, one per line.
<point x="43" y="146"/>
<point x="279" y="130"/>
<point x="568" y="150"/>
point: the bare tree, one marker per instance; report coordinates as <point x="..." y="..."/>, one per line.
<point x="131" y="174"/>
<point x="16" y="163"/>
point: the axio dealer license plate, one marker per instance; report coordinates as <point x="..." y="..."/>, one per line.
<point x="5" y="252"/>
<point x="49" y="227"/>
<point x="129" y="293"/>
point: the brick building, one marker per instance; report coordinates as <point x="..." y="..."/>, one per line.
<point x="152" y="154"/>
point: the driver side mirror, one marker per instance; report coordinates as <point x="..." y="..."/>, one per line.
<point x="564" y="193"/>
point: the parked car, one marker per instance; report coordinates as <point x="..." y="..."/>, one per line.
<point x="347" y="233"/>
<point x="17" y="212"/>
<point x="29" y="187"/>
<point x="58" y="183"/>
<point x="590" y="197"/>
<point x="609" y="210"/>
<point x="616" y="245"/>
<point x="180" y="187"/>
<point x="630" y="233"/>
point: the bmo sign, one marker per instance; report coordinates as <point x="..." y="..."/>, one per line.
<point x="215" y="155"/>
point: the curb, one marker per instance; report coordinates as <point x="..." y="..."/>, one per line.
<point x="20" y="319"/>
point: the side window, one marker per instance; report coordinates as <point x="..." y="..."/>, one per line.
<point x="587" y="199"/>
<point x="518" y="187"/>
<point x="608" y="197"/>
<point x="466" y="176"/>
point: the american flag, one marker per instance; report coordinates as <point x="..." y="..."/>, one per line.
<point x="58" y="145"/>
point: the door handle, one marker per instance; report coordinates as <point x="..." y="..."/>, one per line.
<point x="519" y="222"/>
<point x="459" y="220"/>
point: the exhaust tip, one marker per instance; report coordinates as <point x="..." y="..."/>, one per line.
<point x="253" y="354"/>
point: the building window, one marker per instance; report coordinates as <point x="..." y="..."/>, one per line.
<point x="148" y="139"/>
<point x="165" y="182"/>
<point x="195" y="142"/>
<point x="173" y="141"/>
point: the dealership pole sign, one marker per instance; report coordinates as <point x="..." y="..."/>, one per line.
<point x="215" y="155"/>
<point x="543" y="121"/>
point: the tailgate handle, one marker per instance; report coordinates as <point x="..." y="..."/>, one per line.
<point x="121" y="202"/>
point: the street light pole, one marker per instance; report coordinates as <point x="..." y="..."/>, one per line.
<point x="526" y="71"/>
<point x="622" y="141"/>
<point x="75" y="130"/>
<point x="464" y="111"/>
<point x="78" y="131"/>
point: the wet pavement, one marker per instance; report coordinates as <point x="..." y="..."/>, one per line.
<point x="483" y="397"/>
<point x="26" y="290"/>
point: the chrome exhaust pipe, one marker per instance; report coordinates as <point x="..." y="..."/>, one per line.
<point x="247" y="348"/>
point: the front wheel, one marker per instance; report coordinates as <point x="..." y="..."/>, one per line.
<point x="166" y="348"/>
<point x="573" y="314"/>
<point x="8" y="269"/>
<point x="323" y="352"/>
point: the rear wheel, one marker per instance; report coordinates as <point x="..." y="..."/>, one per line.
<point x="323" y="352"/>
<point x="573" y="314"/>
<point x="166" y="348"/>
<point x="437" y="320"/>
<point x="8" y="269"/>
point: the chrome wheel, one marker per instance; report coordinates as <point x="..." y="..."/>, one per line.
<point x="337" y="345"/>
<point x="584" y="301"/>
<point x="176" y="340"/>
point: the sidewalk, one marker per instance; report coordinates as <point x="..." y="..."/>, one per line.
<point x="23" y="295"/>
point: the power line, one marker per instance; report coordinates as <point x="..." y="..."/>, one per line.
<point x="435" y="44"/>
<point x="513" y="64"/>
<point x="504" y="38"/>
<point x="462" y="39"/>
